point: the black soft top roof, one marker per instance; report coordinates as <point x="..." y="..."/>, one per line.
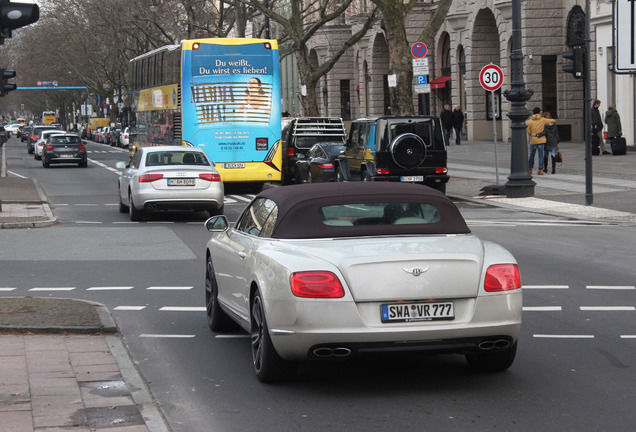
<point x="299" y="209"/>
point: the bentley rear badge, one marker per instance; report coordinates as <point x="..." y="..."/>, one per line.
<point x="415" y="271"/>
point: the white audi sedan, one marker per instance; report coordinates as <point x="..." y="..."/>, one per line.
<point x="334" y="270"/>
<point x="169" y="178"/>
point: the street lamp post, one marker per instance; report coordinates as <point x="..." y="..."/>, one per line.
<point x="520" y="184"/>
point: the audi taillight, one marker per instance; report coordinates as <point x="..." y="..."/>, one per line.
<point x="316" y="284"/>
<point x="211" y="177"/>
<point x="149" y="178"/>
<point x="502" y="277"/>
<point x="325" y="165"/>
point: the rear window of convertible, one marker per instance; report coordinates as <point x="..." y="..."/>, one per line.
<point x="390" y="213"/>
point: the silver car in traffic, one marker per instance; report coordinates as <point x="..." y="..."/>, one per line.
<point x="169" y="178"/>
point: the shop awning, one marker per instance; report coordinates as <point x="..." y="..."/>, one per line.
<point x="440" y="82"/>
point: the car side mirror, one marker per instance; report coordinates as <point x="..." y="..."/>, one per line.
<point x="217" y="224"/>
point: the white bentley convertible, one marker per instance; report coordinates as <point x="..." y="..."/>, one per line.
<point x="333" y="270"/>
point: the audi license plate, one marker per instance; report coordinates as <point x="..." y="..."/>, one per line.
<point x="409" y="312"/>
<point x="181" y="182"/>
<point x="412" y="178"/>
<point x="234" y="165"/>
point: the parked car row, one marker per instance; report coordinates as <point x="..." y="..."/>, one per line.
<point x="115" y="136"/>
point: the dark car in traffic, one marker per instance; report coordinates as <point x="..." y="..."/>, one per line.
<point x="64" y="149"/>
<point x="408" y="149"/>
<point x="318" y="165"/>
<point x="34" y="134"/>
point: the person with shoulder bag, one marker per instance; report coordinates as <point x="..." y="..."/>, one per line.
<point x="551" y="146"/>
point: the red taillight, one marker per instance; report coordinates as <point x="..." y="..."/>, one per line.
<point x="35" y="138"/>
<point x="211" y="177"/>
<point x="291" y="152"/>
<point x="316" y="284"/>
<point x="325" y="165"/>
<point x="49" y="147"/>
<point x="382" y="171"/>
<point x="441" y="170"/>
<point x="82" y="147"/>
<point x="148" y="178"/>
<point x="502" y="277"/>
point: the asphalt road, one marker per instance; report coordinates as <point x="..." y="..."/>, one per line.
<point x="573" y="367"/>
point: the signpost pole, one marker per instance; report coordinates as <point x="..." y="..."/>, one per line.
<point x="494" y="131"/>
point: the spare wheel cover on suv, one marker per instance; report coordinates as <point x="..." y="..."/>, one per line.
<point x="408" y="150"/>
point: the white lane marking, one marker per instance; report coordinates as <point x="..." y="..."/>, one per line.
<point x="52" y="289"/>
<point x="126" y="222"/>
<point x="86" y="205"/>
<point x="16" y="174"/>
<point x="115" y="170"/>
<point x="88" y="222"/>
<point x="170" y="288"/>
<point x="628" y="336"/>
<point x="608" y="308"/>
<point x="232" y="336"/>
<point x="541" y="308"/>
<point x="7" y="289"/>
<point x="130" y="308"/>
<point x="610" y="287"/>
<point x="110" y="288"/>
<point x="563" y="336"/>
<point x="159" y="222"/>
<point x="183" y="308"/>
<point x="545" y="287"/>
<point x="247" y="198"/>
<point x="174" y="336"/>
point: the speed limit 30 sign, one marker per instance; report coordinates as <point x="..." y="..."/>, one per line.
<point x="491" y="77"/>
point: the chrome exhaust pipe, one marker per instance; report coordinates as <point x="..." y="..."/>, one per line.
<point x="326" y="352"/>
<point x="494" y="344"/>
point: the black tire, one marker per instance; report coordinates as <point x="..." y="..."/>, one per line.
<point x="268" y="365"/>
<point x="36" y="157"/>
<point x="365" y="176"/>
<point x="30" y="149"/>
<point x="215" y="211"/>
<point x="440" y="187"/>
<point x="135" y="215"/>
<point x="217" y="319"/>
<point x="495" y="361"/>
<point x="83" y="164"/>
<point x="310" y="179"/>
<point x="123" y="208"/>
<point x="339" y="175"/>
<point x="45" y="164"/>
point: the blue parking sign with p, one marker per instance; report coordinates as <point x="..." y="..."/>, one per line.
<point x="422" y="79"/>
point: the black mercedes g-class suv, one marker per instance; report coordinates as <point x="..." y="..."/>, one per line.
<point x="302" y="133"/>
<point x="395" y="148"/>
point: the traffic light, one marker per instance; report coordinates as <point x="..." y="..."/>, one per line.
<point x="7" y="86"/>
<point x="16" y="15"/>
<point x="577" y="67"/>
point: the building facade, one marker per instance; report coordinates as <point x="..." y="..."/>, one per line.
<point x="477" y="33"/>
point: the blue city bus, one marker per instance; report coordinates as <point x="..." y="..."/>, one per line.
<point x="222" y="95"/>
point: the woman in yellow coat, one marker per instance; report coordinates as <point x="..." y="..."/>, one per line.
<point x="535" y="127"/>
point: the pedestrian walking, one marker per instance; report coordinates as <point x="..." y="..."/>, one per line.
<point x="534" y="128"/>
<point x="446" y="117"/>
<point x="458" y="124"/>
<point x="551" y="146"/>
<point x="597" y="129"/>
<point x="613" y="122"/>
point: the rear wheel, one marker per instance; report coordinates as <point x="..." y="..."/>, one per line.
<point x="309" y="177"/>
<point x="122" y="207"/>
<point x="45" y="163"/>
<point x="268" y="365"/>
<point x="365" y="176"/>
<point x="135" y="215"/>
<point x="217" y="319"/>
<point x="339" y="175"/>
<point x="213" y="211"/>
<point x="495" y="361"/>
